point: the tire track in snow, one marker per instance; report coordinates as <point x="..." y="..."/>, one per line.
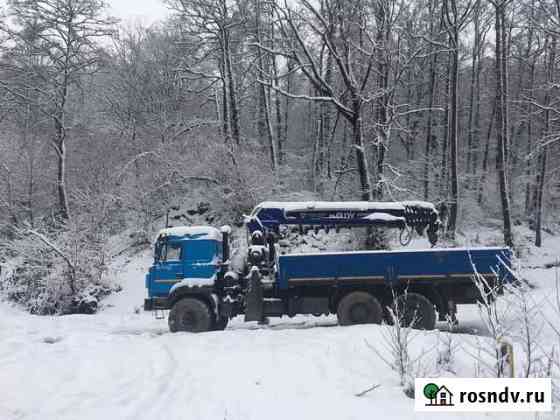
<point x="159" y="378"/>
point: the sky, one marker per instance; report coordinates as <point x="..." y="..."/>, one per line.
<point x="132" y="11"/>
<point x="143" y="11"/>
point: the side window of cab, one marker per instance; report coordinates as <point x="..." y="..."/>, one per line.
<point x="201" y="252"/>
<point x="171" y="251"/>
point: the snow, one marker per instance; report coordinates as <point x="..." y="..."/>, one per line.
<point x="213" y="262"/>
<point x="330" y="205"/>
<point x="258" y="249"/>
<point x="194" y="282"/>
<point x="404" y="250"/>
<point x="383" y="217"/>
<point x="124" y="364"/>
<point x="226" y="229"/>
<point x="342" y="205"/>
<point x="421" y="204"/>
<point x="199" y="232"/>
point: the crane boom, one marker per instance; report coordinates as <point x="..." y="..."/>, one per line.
<point x="419" y="215"/>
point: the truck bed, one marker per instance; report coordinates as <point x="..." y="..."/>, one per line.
<point x="432" y="266"/>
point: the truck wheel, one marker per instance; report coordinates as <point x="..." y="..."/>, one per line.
<point x="220" y="324"/>
<point x="415" y="311"/>
<point x="190" y="315"/>
<point x="359" y="308"/>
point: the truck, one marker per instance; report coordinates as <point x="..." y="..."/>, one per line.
<point x="203" y="285"/>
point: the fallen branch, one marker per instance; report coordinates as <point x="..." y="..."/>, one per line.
<point x="361" y="394"/>
<point x="52" y="246"/>
<point x="545" y="265"/>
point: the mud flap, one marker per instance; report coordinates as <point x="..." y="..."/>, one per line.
<point x="254" y="299"/>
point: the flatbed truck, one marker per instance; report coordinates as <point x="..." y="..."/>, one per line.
<point x="193" y="275"/>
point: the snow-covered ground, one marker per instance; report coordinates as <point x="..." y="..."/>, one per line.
<point x="123" y="364"/>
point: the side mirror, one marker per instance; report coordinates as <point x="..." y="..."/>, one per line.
<point x="226" y="234"/>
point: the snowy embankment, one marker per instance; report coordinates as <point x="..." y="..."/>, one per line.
<point x="124" y="364"/>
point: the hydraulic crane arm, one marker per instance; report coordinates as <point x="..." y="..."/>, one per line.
<point x="419" y="215"/>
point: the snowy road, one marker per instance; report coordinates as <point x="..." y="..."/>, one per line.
<point x="125" y="365"/>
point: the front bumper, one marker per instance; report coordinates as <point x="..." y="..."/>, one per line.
<point x="155" y="303"/>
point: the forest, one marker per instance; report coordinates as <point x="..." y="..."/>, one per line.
<point x="107" y="128"/>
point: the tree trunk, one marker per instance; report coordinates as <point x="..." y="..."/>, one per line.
<point x="528" y="109"/>
<point x="546" y="133"/>
<point x="225" y="99"/>
<point x="231" y="89"/>
<point x="486" y="154"/>
<point x="540" y="195"/>
<point x="282" y="140"/>
<point x="431" y="99"/>
<point x="59" y="143"/>
<point x="501" y="120"/>
<point x="529" y="204"/>
<point x="476" y="124"/>
<point x="474" y="76"/>
<point x="381" y="108"/>
<point x="326" y="120"/>
<point x="30" y="202"/>
<point x="407" y="140"/>
<point x="444" y="186"/>
<point x="363" y="171"/>
<point x="453" y="128"/>
<point x="60" y="148"/>
<point x="265" y="125"/>
<point x="278" y="111"/>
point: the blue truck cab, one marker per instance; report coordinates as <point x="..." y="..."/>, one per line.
<point x="192" y="257"/>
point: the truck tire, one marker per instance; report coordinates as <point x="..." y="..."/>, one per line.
<point x="359" y="308"/>
<point x="415" y="311"/>
<point x="220" y="324"/>
<point x="191" y="315"/>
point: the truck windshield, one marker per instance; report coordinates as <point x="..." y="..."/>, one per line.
<point x="168" y="251"/>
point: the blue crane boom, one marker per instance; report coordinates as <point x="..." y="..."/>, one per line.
<point x="418" y="215"/>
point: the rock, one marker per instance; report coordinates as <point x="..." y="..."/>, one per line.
<point x="203" y="207"/>
<point x="409" y="391"/>
<point x="88" y="306"/>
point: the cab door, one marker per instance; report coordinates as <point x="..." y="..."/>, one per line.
<point x="168" y="270"/>
<point x="203" y="259"/>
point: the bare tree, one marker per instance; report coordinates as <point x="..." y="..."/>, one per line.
<point x="359" y="51"/>
<point x="543" y="155"/>
<point x="455" y="19"/>
<point x="266" y="128"/>
<point x="209" y="26"/>
<point x="335" y="32"/>
<point x="481" y="27"/>
<point x="50" y="50"/>
<point x="429" y="142"/>
<point x="502" y="127"/>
